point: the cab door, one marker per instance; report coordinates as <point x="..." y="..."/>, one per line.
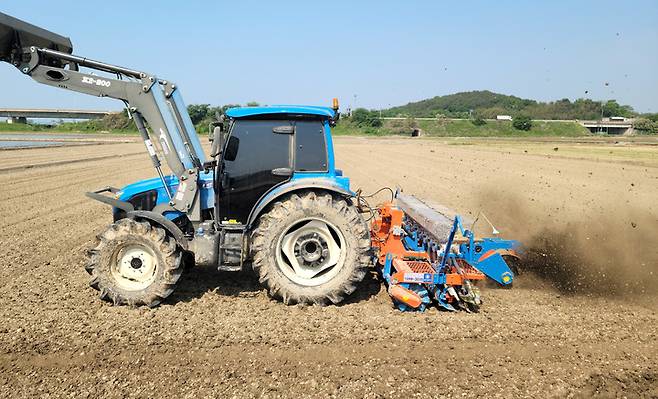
<point x="257" y="156"/>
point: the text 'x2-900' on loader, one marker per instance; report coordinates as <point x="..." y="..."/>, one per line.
<point x="269" y="194"/>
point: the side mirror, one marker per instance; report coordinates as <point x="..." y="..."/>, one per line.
<point x="219" y="123"/>
<point x="232" y="148"/>
<point x="217" y="141"/>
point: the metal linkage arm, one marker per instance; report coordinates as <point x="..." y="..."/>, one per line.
<point x="161" y="109"/>
<point x="47" y="58"/>
<point x="157" y="102"/>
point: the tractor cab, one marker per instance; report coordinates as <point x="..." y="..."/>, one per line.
<point x="269" y="149"/>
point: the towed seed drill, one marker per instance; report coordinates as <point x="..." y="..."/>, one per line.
<point x="426" y="256"/>
<point x="269" y="195"/>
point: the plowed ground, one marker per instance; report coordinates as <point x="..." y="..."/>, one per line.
<point x="576" y="324"/>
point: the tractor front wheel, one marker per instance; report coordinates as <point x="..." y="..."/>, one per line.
<point x="311" y="248"/>
<point x="134" y="264"/>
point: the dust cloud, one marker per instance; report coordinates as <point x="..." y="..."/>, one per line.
<point x="610" y="252"/>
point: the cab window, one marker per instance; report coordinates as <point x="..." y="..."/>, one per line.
<point x="310" y="146"/>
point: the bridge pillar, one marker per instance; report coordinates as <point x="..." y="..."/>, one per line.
<point x="17" y="119"/>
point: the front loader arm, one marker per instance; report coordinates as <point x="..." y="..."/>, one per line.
<point x="145" y="95"/>
<point x="47" y="58"/>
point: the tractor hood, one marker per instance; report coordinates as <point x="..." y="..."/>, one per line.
<point x="17" y="35"/>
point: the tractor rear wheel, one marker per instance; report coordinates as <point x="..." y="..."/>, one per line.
<point x="311" y="248"/>
<point x="134" y="264"/>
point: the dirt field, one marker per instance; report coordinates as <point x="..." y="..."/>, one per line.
<point x="582" y="322"/>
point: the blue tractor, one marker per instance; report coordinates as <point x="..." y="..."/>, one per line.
<point x="269" y="194"/>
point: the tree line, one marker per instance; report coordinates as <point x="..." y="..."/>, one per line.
<point x="487" y="105"/>
<point x="476" y="106"/>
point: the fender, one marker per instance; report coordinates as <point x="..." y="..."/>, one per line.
<point x="293" y="185"/>
<point x="131" y="213"/>
<point x="113" y="202"/>
<point x="162" y="222"/>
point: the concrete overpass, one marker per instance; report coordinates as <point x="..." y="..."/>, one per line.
<point x="609" y="126"/>
<point x="21" y="115"/>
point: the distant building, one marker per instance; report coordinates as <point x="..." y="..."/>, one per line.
<point x="503" y="118"/>
<point x="615" y="125"/>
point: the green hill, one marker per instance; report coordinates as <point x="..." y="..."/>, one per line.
<point x="487" y="104"/>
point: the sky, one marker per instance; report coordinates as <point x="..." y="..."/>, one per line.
<point x="372" y="54"/>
